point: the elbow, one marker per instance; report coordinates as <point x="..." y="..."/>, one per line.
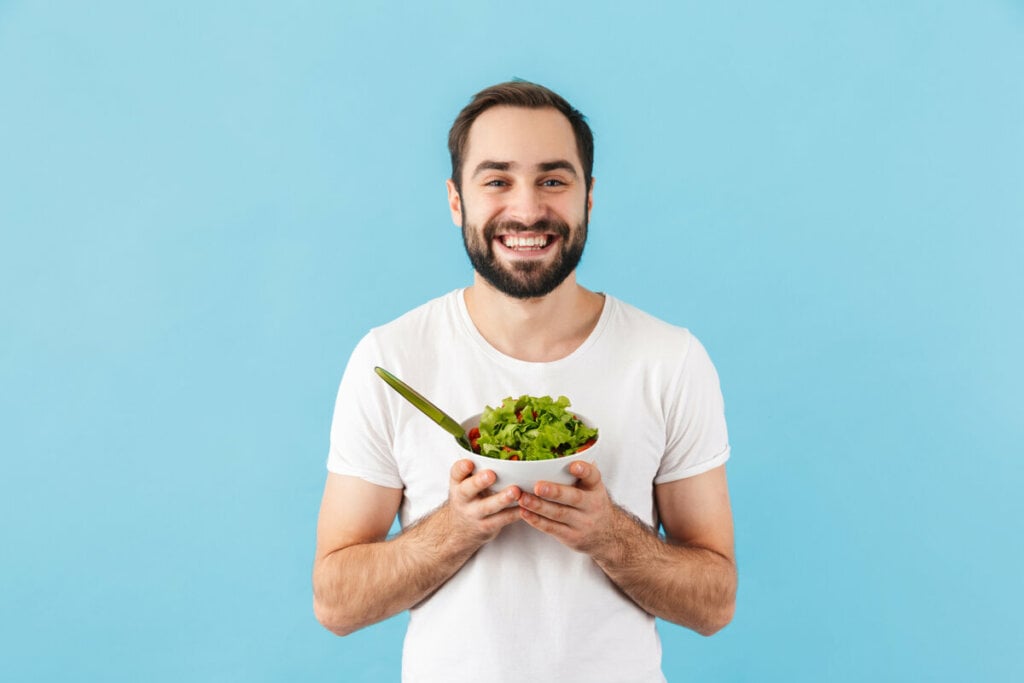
<point x="724" y="608"/>
<point x="333" y="620"/>
<point x="329" y="605"/>
<point x="719" y="620"/>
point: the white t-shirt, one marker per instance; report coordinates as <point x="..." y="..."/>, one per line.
<point x="525" y="607"/>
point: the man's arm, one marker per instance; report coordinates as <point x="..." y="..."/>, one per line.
<point x="360" y="577"/>
<point x="688" y="578"/>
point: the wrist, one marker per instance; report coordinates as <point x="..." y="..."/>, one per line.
<point x="612" y="546"/>
<point x="622" y="547"/>
<point x="443" y="537"/>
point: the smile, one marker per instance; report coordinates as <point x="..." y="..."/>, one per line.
<point x="525" y="242"/>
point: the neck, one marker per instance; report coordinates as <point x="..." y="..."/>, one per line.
<point x="539" y="330"/>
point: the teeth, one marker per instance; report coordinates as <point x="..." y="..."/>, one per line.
<point x="520" y="242"/>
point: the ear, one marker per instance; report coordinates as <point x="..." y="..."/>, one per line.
<point x="454" y="203"/>
<point x="590" y="197"/>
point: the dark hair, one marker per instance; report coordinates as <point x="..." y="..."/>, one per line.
<point x="518" y="93"/>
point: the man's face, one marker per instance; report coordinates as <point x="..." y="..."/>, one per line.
<point x="524" y="203"/>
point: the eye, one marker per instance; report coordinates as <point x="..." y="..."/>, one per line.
<point x="497" y="182"/>
<point x="553" y="182"/>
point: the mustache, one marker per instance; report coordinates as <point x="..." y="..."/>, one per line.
<point x="560" y="228"/>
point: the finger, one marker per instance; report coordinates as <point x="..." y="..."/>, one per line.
<point x="567" y="495"/>
<point x="502" y="519"/>
<point x="461" y="469"/>
<point x="466" y="484"/>
<point x="588" y="474"/>
<point x="541" y="523"/>
<point x="555" y="512"/>
<point x="473" y="486"/>
<point x="494" y="504"/>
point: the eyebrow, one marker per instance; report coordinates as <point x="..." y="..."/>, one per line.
<point x="543" y="167"/>
<point x="556" y="165"/>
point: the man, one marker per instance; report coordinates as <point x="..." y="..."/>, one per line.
<point x="561" y="583"/>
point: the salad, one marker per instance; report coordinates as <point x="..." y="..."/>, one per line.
<point x="530" y="428"/>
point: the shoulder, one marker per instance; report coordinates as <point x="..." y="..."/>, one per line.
<point x="441" y="313"/>
<point x="414" y="337"/>
<point x="668" y="352"/>
<point x="401" y="345"/>
<point x="647" y="331"/>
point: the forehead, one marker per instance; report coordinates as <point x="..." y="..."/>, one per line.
<point x="523" y="136"/>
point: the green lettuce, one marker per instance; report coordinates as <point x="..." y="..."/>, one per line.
<point x="532" y="428"/>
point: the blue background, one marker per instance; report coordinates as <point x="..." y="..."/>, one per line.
<point x="204" y="207"/>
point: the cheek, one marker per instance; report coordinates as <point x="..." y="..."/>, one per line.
<point x="571" y="208"/>
<point x="478" y="211"/>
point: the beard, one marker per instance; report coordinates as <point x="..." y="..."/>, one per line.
<point x="524" y="279"/>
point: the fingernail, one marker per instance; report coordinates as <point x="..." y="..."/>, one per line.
<point x="543" y="490"/>
<point x="577" y="468"/>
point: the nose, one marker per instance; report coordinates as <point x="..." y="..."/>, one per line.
<point x="526" y="205"/>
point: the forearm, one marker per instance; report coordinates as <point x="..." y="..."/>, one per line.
<point x="363" y="584"/>
<point x="691" y="586"/>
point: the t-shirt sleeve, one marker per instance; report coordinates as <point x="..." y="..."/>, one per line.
<point x="696" y="436"/>
<point x="362" y="433"/>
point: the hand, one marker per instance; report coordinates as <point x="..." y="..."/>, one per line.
<point x="474" y="513"/>
<point x="580" y="516"/>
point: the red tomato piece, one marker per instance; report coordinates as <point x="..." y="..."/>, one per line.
<point x="587" y="445"/>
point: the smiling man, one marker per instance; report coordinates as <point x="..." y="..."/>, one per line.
<point x="524" y="241"/>
<point x="561" y="583"/>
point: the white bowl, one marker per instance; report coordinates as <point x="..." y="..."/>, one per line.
<point x="526" y="473"/>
